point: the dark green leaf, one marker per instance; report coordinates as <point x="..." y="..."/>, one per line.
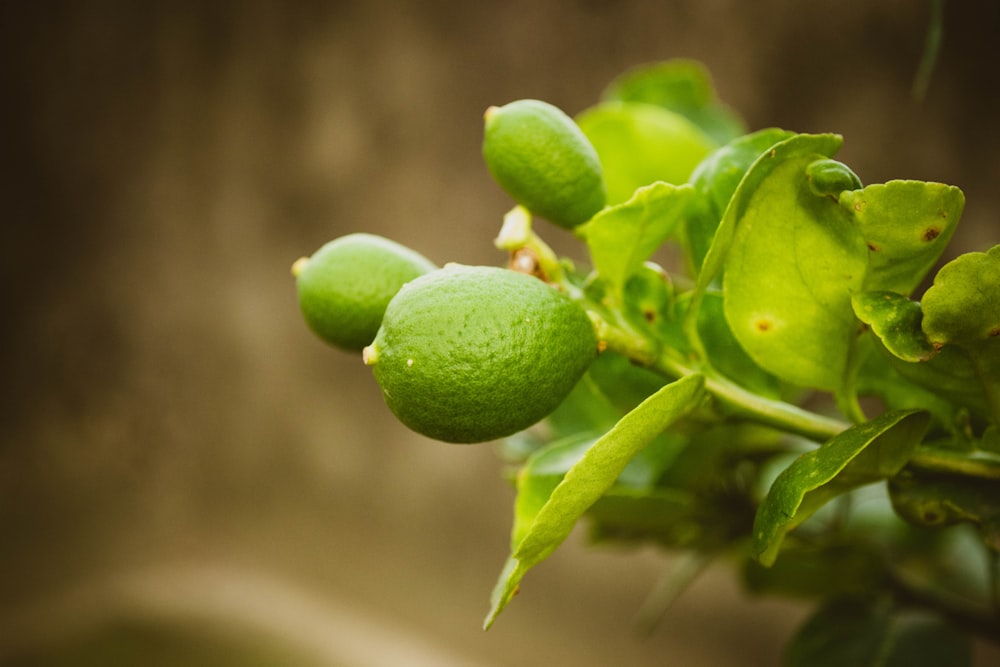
<point x="860" y="633"/>
<point x="829" y="178"/>
<point x="863" y="454"/>
<point x="590" y="478"/>
<point x="944" y="499"/>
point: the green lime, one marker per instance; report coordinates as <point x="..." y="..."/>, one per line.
<point x="542" y="159"/>
<point x="475" y="353"/>
<point x="345" y="286"/>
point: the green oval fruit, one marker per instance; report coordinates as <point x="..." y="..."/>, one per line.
<point x="474" y="353"/>
<point x="542" y="159"/>
<point x="346" y="285"/>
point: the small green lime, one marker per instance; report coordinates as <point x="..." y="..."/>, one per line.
<point x="346" y="285"/>
<point x="475" y="353"/>
<point x="540" y="157"/>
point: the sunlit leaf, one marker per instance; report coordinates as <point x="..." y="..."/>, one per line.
<point x="962" y="308"/>
<point x="895" y="319"/>
<point x="590" y="478"/>
<point x="863" y="454"/>
<point x="795" y="260"/>
<point x="640" y="144"/>
<point x="906" y="225"/>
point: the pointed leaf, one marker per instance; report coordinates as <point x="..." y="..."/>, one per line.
<point x="895" y="319"/>
<point x="590" y="478"/>
<point x="622" y="237"/>
<point x="863" y="454"/>
<point x="906" y="225"/>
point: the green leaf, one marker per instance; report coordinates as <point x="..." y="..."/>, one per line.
<point x="794" y="263"/>
<point x="861" y="633"/>
<point x="906" y="225"/>
<point x="715" y="179"/>
<point x="863" y="454"/>
<point x="819" y="571"/>
<point x="944" y="499"/>
<point x="622" y="237"/>
<point x="962" y="308"/>
<point x="640" y="144"/>
<point x="683" y="86"/>
<point x="830" y="178"/>
<point x="590" y="478"/>
<point x="895" y="319"/>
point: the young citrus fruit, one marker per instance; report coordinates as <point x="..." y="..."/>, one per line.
<point x="540" y="157"/>
<point x="474" y="353"/>
<point x="346" y="285"/>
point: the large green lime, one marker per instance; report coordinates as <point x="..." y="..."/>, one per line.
<point x="542" y="159"/>
<point x="475" y="353"/>
<point x="346" y="285"/>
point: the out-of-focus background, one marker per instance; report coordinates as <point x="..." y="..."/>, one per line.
<point x="188" y="476"/>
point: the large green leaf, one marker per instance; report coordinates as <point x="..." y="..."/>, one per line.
<point x="863" y="454"/>
<point x="622" y="237"/>
<point x="863" y="633"/>
<point x="907" y="225"/>
<point x="683" y="86"/>
<point x="588" y="479"/>
<point x="795" y="259"/>
<point x="640" y="143"/>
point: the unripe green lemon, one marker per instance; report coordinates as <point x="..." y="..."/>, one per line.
<point x="346" y="285"/>
<point x="542" y="159"/>
<point x="474" y="353"/>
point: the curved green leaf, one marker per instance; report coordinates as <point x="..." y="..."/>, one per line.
<point x="863" y="454"/>
<point x="895" y="319"/>
<point x="587" y="480"/>
<point x="795" y="260"/>
<point x="640" y="143"/>
<point x="622" y="237"/>
<point x="906" y="225"/>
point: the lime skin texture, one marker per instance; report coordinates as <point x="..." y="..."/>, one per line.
<point x="542" y="159"/>
<point x="475" y="353"/>
<point x="345" y="286"/>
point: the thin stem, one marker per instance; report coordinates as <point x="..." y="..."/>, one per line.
<point x="982" y="466"/>
<point x="932" y="48"/>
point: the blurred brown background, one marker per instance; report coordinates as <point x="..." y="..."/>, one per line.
<point x="186" y="474"/>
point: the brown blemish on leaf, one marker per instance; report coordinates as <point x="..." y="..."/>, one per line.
<point x="994" y="332"/>
<point x="772" y="153"/>
<point x="873" y="247"/>
<point x="763" y="325"/>
<point x="602" y="345"/>
<point x="931" y="233"/>
<point x="860" y="205"/>
<point x="525" y="260"/>
<point x="650" y="315"/>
